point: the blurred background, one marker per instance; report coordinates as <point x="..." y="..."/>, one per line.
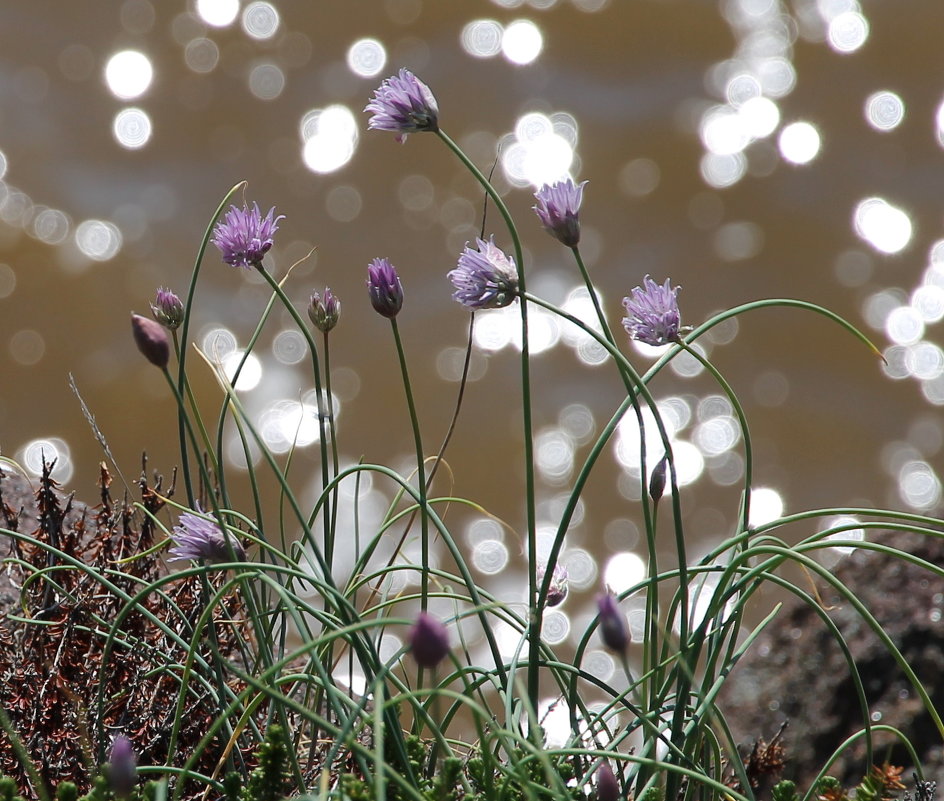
<point x="743" y="148"/>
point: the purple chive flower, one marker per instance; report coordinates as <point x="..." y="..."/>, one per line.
<point x="122" y="766"/>
<point x="557" y="209"/>
<point x="167" y="309"/>
<point x="612" y="624"/>
<point x="198" y="538"/>
<point x="429" y="641"/>
<point x="244" y="236"/>
<point x="403" y="104"/>
<point x="324" y="311"/>
<point x="607" y="785"/>
<point x="485" y="278"/>
<point x="151" y="339"/>
<point x="557" y="590"/>
<point x="653" y="313"/>
<point x="384" y="288"/>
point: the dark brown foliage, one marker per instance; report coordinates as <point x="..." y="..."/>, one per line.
<point x="65" y="695"/>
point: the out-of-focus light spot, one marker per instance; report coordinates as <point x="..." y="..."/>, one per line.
<point x="939" y="120"/>
<point x="201" y="55"/>
<point x="857" y="534"/>
<point x="540" y="153"/>
<point x="777" y="76"/>
<point x="590" y="6"/>
<point x="482" y="38"/>
<point x="741" y="87"/>
<point x="27" y="347"/>
<point x="847" y="32"/>
<point x="760" y="116"/>
<point x="128" y="74"/>
<point x="929" y="302"/>
<point x="3" y="165"/>
<point x="685" y="364"/>
<point x="218" y="13"/>
<point x="717" y="435"/>
<point x="51" y="226"/>
<point x="330" y="137"/>
<point x="771" y="388"/>
<point x="287" y="424"/>
<point x="639" y="177"/>
<point x="97" y="239"/>
<point x="722" y="131"/>
<point x="7" y="280"/>
<point x="554" y="630"/>
<point x="721" y="170"/>
<point x="289" y="347"/>
<point x="799" y="142"/>
<point x="366" y="57"/>
<point x="266" y="81"/>
<point x="925" y="361"/>
<point x="879" y="305"/>
<point x="885" y="227"/>
<point x="494" y="331"/>
<point x="766" y="506"/>
<point x="131" y="128"/>
<point x="623" y="570"/>
<point x="884" y="111"/>
<point x="522" y="42"/>
<point x="249" y="376"/>
<point x="918" y="485"/>
<point x="343" y="203"/>
<point x="736" y="241"/>
<point x="577" y="420"/>
<point x="218" y="343"/>
<point x="554" y="455"/>
<point x="853" y="267"/>
<point x="451" y="361"/>
<point x="904" y="325"/>
<point x="894" y="364"/>
<point x="490" y="556"/>
<point x="260" y="20"/>
<point x="51" y="449"/>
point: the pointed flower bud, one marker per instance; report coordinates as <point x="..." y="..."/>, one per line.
<point x="607" y="785"/>
<point x="151" y="339"/>
<point x="429" y="641"/>
<point x="612" y="624"/>
<point x="384" y="288"/>
<point x="324" y="311"/>
<point x="244" y="236"/>
<point x="403" y="104"/>
<point x="122" y="766"/>
<point x="557" y="209"/>
<point x="557" y="591"/>
<point x="657" y="479"/>
<point x="167" y="309"/>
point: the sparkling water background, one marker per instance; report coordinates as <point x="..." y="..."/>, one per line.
<point x="744" y="148"/>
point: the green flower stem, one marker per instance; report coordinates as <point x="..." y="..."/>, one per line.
<point x="604" y="326"/>
<point x="182" y="351"/>
<point x="335" y="463"/>
<point x="535" y="610"/>
<point x="420" y="464"/>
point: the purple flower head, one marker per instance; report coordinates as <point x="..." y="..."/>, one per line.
<point x="197" y="538"/>
<point x="403" y="104"/>
<point x="384" y="288"/>
<point x="557" y="209"/>
<point x="653" y="313"/>
<point x="244" y="236"/>
<point x="612" y="624"/>
<point x="151" y="339"/>
<point x="429" y="641"/>
<point x="607" y="785"/>
<point x="485" y="278"/>
<point x="557" y="590"/>
<point x="167" y="309"/>
<point x="122" y="766"/>
<point x="324" y="310"/>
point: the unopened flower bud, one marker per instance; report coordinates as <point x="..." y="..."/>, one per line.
<point x="167" y="309"/>
<point x="324" y="310"/>
<point x="557" y="590"/>
<point x="612" y="624"/>
<point x="151" y="339"/>
<point x="122" y="766"/>
<point x="384" y="288"/>
<point x="607" y="785"/>
<point x="657" y="479"/>
<point x="429" y="641"/>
